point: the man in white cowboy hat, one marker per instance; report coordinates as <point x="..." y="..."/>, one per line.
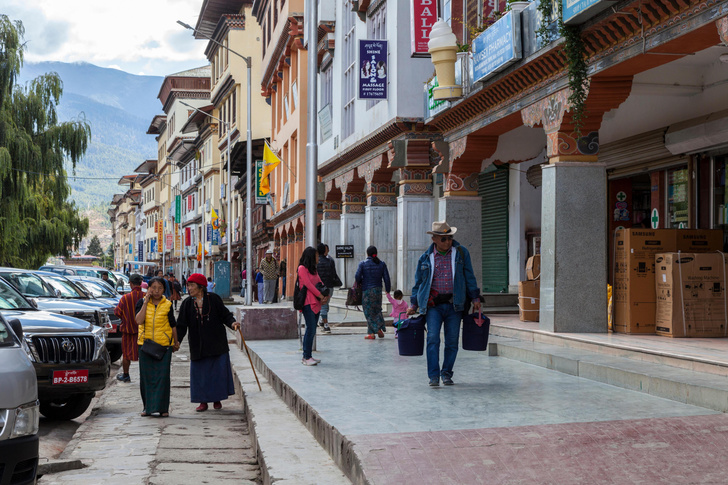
<point x="443" y="278"/>
<point x="269" y="268"/>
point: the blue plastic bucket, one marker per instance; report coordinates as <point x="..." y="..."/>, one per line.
<point x="475" y="337"/>
<point x="411" y="338"/>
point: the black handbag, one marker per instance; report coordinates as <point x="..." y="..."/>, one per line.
<point x="153" y="349"/>
<point x="299" y="296"/>
<point x="354" y="297"/>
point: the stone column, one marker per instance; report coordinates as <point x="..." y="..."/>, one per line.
<point x="331" y="232"/>
<point x="380" y="213"/>
<point x="574" y="208"/>
<point x="414" y="219"/>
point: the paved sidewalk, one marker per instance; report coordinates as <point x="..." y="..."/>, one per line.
<point x="503" y="421"/>
<point x="118" y="446"/>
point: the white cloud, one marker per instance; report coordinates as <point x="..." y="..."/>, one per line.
<point x="133" y="35"/>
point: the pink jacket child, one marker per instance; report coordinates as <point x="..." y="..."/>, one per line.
<point x="309" y="281"/>
<point x="399" y="306"/>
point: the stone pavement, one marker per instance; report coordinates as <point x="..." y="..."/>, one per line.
<point x="503" y="421"/>
<point x="118" y="446"/>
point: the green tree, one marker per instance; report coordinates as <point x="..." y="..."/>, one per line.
<point x="36" y="218"/>
<point x="94" y="247"/>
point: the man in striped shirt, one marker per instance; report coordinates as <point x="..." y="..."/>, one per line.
<point x="128" y="327"/>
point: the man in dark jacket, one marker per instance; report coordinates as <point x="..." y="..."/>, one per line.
<point x="326" y="270"/>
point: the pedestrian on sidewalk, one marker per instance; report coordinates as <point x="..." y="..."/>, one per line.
<point x="210" y="284"/>
<point x="309" y="279"/>
<point x="399" y="308"/>
<point x="370" y="274"/>
<point x="444" y="281"/>
<point x="244" y="282"/>
<point x="259" y="288"/>
<point x="205" y="317"/>
<point x="282" y="269"/>
<point x="167" y="288"/>
<point x="156" y="322"/>
<point x="269" y="268"/>
<point x="128" y="327"/>
<point x="326" y="269"/>
<point x="176" y="290"/>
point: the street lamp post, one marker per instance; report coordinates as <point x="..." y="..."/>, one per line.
<point x="312" y="128"/>
<point x="248" y="169"/>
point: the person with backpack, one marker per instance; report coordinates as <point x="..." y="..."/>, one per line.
<point x="309" y="281"/>
<point x="326" y="269"/>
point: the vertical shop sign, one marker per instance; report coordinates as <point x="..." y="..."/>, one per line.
<point x="170" y="240"/>
<point x="187" y="236"/>
<point x="373" y="69"/>
<point x="177" y="209"/>
<point x="260" y="197"/>
<point x="423" y="16"/>
<point x="208" y="233"/>
<point x="140" y="245"/>
<point x="160" y="236"/>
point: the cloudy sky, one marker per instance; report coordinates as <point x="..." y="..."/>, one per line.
<point x="136" y="36"/>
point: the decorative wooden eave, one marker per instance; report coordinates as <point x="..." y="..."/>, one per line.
<point x="280" y="47"/>
<point x="392" y="129"/>
<point x="226" y="23"/>
<point x="607" y="38"/>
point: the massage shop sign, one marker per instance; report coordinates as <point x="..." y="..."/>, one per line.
<point x="424" y="15"/>
<point x="373" y="72"/>
<point x="497" y="47"/>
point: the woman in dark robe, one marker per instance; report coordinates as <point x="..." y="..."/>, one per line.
<point x="204" y="316"/>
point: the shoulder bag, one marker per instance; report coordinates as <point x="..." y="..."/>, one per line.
<point x="299" y="296"/>
<point x="354" y="297"/>
<point x="150" y="347"/>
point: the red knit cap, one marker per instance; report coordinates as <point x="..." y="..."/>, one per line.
<point x="197" y="278"/>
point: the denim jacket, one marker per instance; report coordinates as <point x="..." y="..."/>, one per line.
<point x="464" y="278"/>
<point x="370" y="275"/>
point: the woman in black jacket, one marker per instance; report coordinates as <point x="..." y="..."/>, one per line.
<point x="205" y="316"/>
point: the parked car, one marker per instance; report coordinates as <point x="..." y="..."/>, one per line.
<point x="93" y="271"/>
<point x="56" y="293"/>
<point x="68" y="354"/>
<point x="19" y="407"/>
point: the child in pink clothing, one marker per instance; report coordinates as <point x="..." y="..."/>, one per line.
<point x="399" y="308"/>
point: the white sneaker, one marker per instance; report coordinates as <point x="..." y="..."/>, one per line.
<point x="310" y="361"/>
<point x="318" y="361"/>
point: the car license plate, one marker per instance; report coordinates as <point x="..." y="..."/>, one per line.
<point x="114" y="328"/>
<point x="70" y="376"/>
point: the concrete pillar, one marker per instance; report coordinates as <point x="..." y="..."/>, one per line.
<point x="353" y="233"/>
<point x="574" y="248"/>
<point x="463" y="212"/>
<point x="331" y="232"/>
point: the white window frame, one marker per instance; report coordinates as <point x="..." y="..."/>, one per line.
<point x="349" y="66"/>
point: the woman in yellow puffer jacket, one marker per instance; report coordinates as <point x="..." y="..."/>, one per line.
<point x="156" y="322"/>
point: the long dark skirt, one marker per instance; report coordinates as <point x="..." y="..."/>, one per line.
<point x="154" y="382"/>
<point x="372" y="306"/>
<point x="211" y="379"/>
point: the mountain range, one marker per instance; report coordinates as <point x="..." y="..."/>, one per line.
<point x="119" y="108"/>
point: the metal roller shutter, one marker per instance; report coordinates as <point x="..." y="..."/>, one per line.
<point x="493" y="190"/>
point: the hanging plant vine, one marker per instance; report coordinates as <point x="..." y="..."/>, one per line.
<point x="574" y="52"/>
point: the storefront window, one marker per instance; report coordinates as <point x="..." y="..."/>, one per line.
<point x="677" y="197"/>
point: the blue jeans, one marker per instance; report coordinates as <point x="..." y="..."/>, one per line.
<point x="311" y="319"/>
<point x="325" y="307"/>
<point x="437" y="316"/>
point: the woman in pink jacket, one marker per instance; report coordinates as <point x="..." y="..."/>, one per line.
<point x="308" y="278"/>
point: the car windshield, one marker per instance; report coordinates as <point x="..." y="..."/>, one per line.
<point x="63" y="287"/>
<point x="28" y="284"/>
<point x="98" y="290"/>
<point x="10" y="299"/>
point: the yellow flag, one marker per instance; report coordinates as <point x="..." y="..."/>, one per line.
<point x="270" y="162"/>
<point x="215" y="219"/>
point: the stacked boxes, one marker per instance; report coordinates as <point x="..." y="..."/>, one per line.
<point x="635" y="300"/>
<point x="529" y="291"/>
<point x="691" y="295"/>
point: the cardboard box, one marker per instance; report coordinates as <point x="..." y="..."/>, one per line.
<point x="634" y="272"/>
<point x="529" y="293"/>
<point x="533" y="267"/>
<point x="634" y="277"/>
<point x="691" y="295"/>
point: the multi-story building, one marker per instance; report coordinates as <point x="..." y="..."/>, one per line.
<point x="124" y="225"/>
<point x="229" y="24"/>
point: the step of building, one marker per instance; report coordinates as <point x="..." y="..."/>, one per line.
<point x="501" y="300"/>
<point x="634" y="352"/>
<point x="702" y="389"/>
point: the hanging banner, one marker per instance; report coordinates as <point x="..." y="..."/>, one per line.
<point x="177" y="209"/>
<point x="423" y="16"/>
<point x="373" y="73"/>
<point x="215" y="237"/>
<point x="170" y="240"/>
<point x="187" y="236"/>
<point x="208" y="232"/>
<point x="140" y="255"/>
<point x="260" y="197"/>
<point x="160" y="236"/>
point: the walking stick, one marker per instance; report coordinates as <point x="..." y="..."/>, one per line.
<point x="240" y="330"/>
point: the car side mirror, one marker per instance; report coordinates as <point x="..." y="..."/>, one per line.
<point x="33" y="302"/>
<point x="17" y="328"/>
